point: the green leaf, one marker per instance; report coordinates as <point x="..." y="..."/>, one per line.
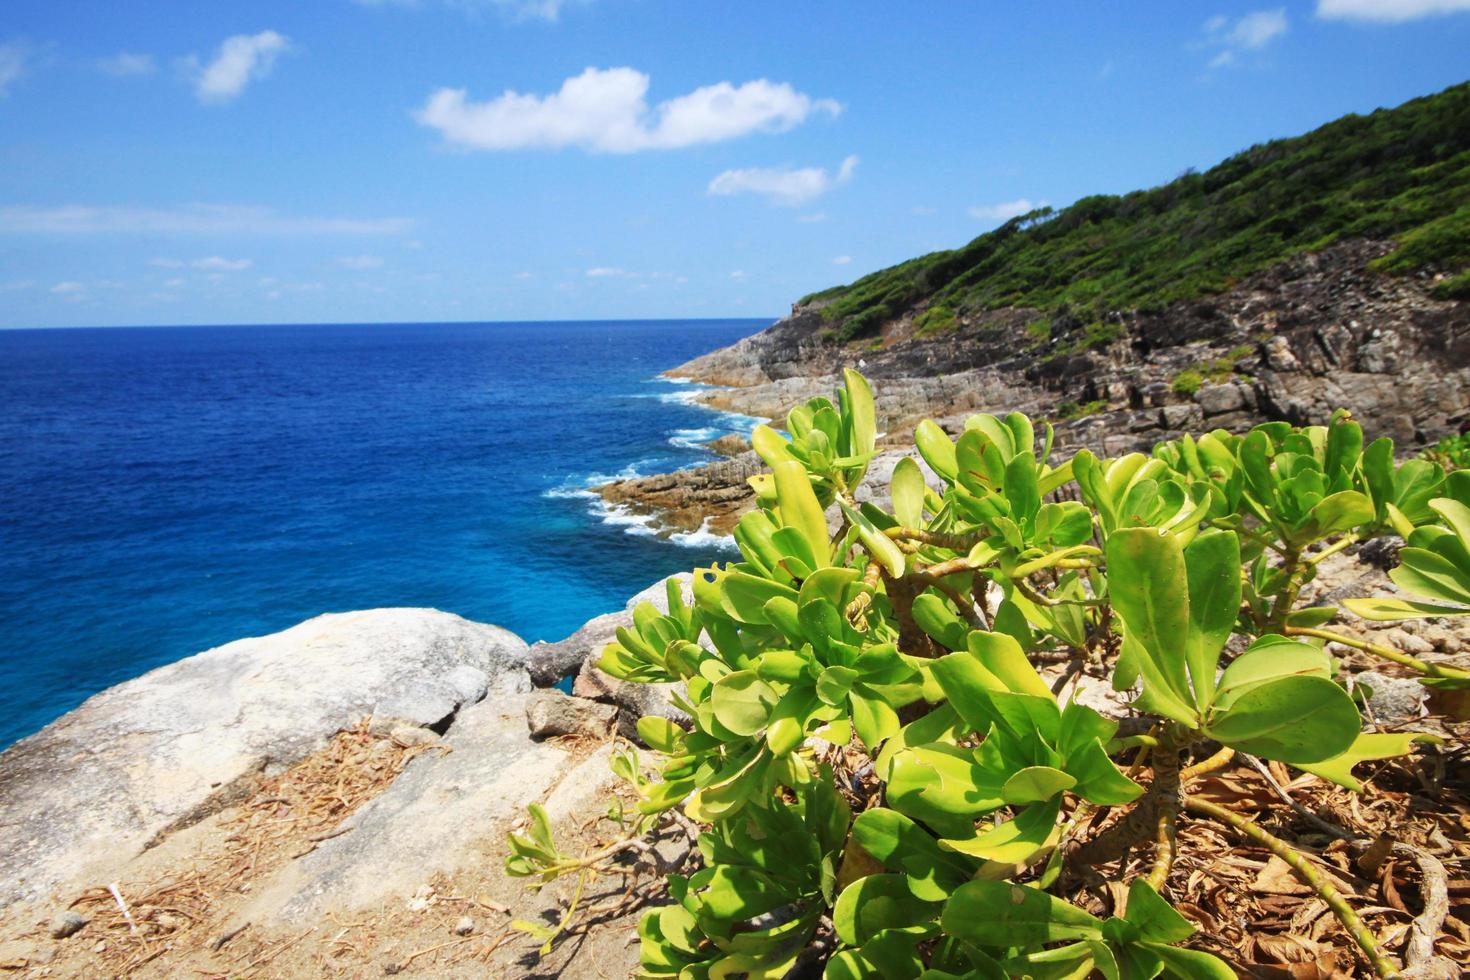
<point x="1339" y="512"/>
<point x="935" y="617"/>
<point x="1015" y="841"/>
<point x="941" y="781"/>
<point x="1000" y="914"/>
<point x="860" y="407"/>
<point x="1156" y="919"/>
<point x="874" y="720"/>
<point x="1212" y="561"/>
<point x="1035" y="784"/>
<point x="1098" y="779"/>
<point x="1002" y="656"/>
<point x="1190" y="964"/>
<point x="1149" y="586"/>
<point x="937" y="449"/>
<point x="742" y="702"/>
<point x="744" y="596"/>
<point x="660" y="734"/>
<point x="1386" y="610"/>
<point x="1387" y="745"/>
<point x="879" y="545"/>
<point x="1291" y="719"/>
<point x="1269" y="658"/>
<point x="800" y="508"/>
<point x="875" y="903"/>
<point x="1430" y="575"/>
<point x="908" y="493"/>
<point x="769" y="445"/>
<point x="1021" y="489"/>
<point x="835" y="683"/>
<point x="900" y="845"/>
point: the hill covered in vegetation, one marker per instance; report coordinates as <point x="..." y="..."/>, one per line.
<point x="1401" y="174"/>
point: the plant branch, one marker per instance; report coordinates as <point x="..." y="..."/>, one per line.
<point x="1294" y="859"/>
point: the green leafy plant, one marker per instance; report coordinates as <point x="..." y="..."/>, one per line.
<point x="1187" y="382"/>
<point x="891" y="786"/>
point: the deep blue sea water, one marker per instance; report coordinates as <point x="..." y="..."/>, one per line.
<point x="165" y="490"/>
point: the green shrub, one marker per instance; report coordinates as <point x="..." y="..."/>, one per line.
<point x="1187" y="383"/>
<point x="1395" y="173"/>
<point x="872" y="747"/>
<point x="934" y="320"/>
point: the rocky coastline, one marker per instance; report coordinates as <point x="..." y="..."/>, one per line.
<point x="1293" y="342"/>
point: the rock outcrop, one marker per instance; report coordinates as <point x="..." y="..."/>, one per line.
<point x="1294" y="342"/>
<point x="160" y="752"/>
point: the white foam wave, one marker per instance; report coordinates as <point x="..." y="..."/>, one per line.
<point x="703" y="538"/>
<point x="694" y="438"/>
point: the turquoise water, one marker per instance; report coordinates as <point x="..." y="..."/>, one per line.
<point x="165" y="490"/>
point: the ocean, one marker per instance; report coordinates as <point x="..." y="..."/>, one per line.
<point x="166" y="490"/>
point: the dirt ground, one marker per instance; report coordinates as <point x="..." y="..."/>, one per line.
<point x="177" y="912"/>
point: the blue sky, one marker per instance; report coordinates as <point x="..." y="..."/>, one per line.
<point x="372" y="160"/>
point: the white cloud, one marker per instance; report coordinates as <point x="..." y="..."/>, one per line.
<point x="360" y="263"/>
<point x="1250" y="33"/>
<point x="12" y="64"/>
<point x="124" y="64"/>
<point x="188" y="219"/>
<point x="548" y="10"/>
<point x="216" y="264"/>
<point x="174" y="283"/>
<point x="524" y="276"/>
<point x="240" y="60"/>
<point x="789" y="188"/>
<point x="842" y="260"/>
<point x="1388" y="11"/>
<point x="604" y="272"/>
<point x="605" y="111"/>
<point x="1005" y="210"/>
<point x="739" y="275"/>
<point x="70" y="289"/>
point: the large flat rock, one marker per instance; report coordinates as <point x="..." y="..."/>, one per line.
<point x="441" y="815"/>
<point x="100" y="784"/>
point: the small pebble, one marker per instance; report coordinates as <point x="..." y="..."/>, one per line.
<point x="67" y="923"/>
<point x="464" y="926"/>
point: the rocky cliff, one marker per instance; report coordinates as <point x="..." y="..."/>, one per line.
<point x="1293" y="342"/>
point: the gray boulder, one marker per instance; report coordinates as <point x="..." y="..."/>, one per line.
<point x="552" y="713"/>
<point x="162" y="751"/>
<point x="436" y="817"/>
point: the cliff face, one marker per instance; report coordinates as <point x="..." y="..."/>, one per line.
<point x="1294" y="342"/>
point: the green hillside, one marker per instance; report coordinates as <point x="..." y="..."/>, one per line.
<point x="1401" y="173"/>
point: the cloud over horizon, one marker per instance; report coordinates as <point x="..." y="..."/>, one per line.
<point x="606" y="111"/>
<point x="188" y="219"/>
<point x="1388" y="11"/>
<point x="1005" y="210"/>
<point x="12" y="64"/>
<point x="785" y="187"/>
<point x="125" y="64"/>
<point x="241" y="59"/>
<point x="515" y="10"/>
<point x="1251" y="32"/>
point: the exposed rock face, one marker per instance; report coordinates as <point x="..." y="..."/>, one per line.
<point x="431" y="817"/>
<point x="552" y="713"/>
<point x="1294" y="342"/>
<point x="687" y="499"/>
<point x="159" y="752"/>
